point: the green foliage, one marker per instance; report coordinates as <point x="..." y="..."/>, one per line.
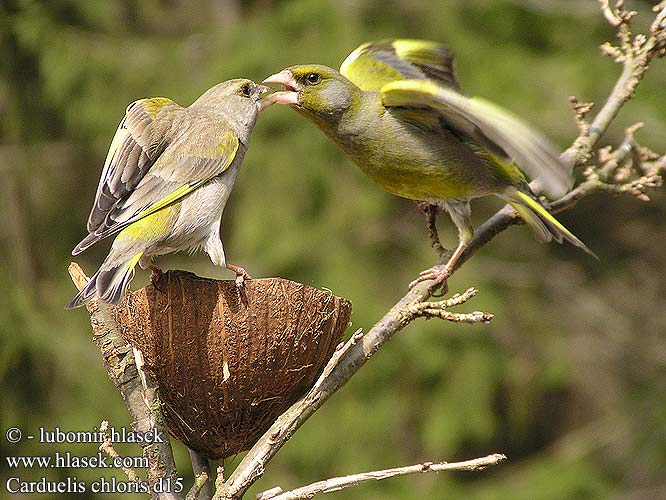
<point x="568" y="380"/>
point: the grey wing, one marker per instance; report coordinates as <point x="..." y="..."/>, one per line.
<point x="498" y="131"/>
<point x="138" y="143"/>
<point x="175" y="175"/>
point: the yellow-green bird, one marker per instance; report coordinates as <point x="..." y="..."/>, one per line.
<point x="166" y="180"/>
<point x="396" y="109"/>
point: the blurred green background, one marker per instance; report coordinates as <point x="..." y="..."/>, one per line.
<point x="569" y="378"/>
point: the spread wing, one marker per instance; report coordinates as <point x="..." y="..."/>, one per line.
<point x="374" y="64"/>
<point x="501" y="133"/>
<point x="152" y="164"/>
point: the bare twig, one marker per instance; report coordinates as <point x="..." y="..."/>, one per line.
<point x="142" y="404"/>
<point x="220" y="480"/>
<point x="438" y="309"/>
<point x="107" y="448"/>
<point x="340" y="483"/>
<point x="635" y="57"/>
<point x="339" y="353"/>
<point x="581" y="110"/>
<point x="431" y="211"/>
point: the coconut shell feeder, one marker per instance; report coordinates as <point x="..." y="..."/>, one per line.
<point x="229" y="362"/>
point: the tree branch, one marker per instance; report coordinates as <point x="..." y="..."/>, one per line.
<point x="340" y="483"/>
<point x="107" y="448"/>
<point x="347" y="361"/>
<point x="143" y="405"/>
<point x="438" y="309"/>
<point x="202" y="488"/>
<point x="635" y="54"/>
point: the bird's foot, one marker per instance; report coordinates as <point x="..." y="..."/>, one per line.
<point x="438" y="275"/>
<point x="241" y="275"/>
<point x="156" y="275"/>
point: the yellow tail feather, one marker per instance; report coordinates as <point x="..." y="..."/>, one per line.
<point x="542" y="222"/>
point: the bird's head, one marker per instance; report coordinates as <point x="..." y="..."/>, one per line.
<point x="238" y="102"/>
<point x="314" y="90"/>
<point x="239" y="96"/>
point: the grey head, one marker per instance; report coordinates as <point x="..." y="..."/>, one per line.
<point x="238" y="101"/>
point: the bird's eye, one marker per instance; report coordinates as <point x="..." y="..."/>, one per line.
<point x="313" y="78"/>
<point x="246" y="90"/>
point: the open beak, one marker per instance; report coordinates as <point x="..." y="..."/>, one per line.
<point x="291" y="88"/>
<point x="264" y="100"/>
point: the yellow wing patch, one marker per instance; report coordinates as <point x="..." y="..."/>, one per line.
<point x="167" y="200"/>
<point x="153" y="104"/>
<point x="227" y="148"/>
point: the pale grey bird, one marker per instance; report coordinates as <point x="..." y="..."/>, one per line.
<point x="166" y="180"/>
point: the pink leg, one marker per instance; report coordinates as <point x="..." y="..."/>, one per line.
<point x="241" y="274"/>
<point x="440" y="273"/>
<point x="155" y="276"/>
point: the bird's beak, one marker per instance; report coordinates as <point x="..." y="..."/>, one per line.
<point x="264" y="101"/>
<point x="262" y="89"/>
<point x="291" y="88"/>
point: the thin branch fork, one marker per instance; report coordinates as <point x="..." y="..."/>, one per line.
<point x="107" y="448"/>
<point x="340" y="483"/>
<point x="438" y="309"/>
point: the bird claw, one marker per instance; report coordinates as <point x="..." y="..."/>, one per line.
<point x="156" y="275"/>
<point x="438" y="275"/>
<point x="240" y="281"/>
<point x="241" y="275"/>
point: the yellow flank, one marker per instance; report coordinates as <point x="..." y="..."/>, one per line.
<point x="134" y="261"/>
<point x="418" y="183"/>
<point x="153" y="104"/>
<point x="153" y="227"/>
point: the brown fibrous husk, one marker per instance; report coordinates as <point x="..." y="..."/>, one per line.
<point x="229" y="361"/>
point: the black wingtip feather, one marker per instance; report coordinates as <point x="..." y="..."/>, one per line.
<point x="108" y="284"/>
